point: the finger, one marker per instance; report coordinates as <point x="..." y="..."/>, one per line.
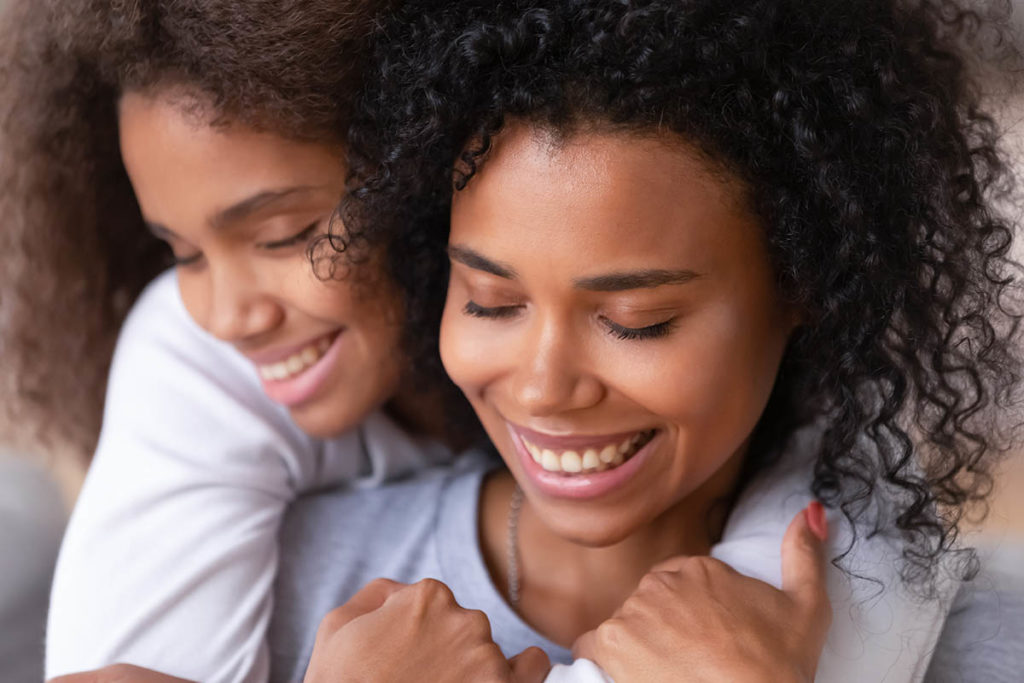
<point x="530" y="666"/>
<point x="585" y="646"/>
<point x="369" y="598"/>
<point x="803" y="556"/>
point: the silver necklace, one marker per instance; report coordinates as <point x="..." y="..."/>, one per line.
<point x="512" y="545"/>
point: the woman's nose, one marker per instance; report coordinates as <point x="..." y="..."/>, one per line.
<point x="552" y="375"/>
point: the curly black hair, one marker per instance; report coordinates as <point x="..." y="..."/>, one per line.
<point x="856" y="130"/>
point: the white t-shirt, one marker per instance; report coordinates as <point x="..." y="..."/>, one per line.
<point x="170" y="555"/>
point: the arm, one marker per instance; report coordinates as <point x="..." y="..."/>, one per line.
<point x="169" y="557"/>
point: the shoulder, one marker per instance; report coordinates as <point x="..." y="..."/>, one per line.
<point x="981" y="639"/>
<point x="335" y="542"/>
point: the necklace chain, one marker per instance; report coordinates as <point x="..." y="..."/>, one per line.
<point x="512" y="545"/>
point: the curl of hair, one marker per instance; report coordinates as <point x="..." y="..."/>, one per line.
<point x="76" y="250"/>
<point x="857" y="133"/>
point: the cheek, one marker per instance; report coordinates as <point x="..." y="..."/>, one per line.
<point x="716" y="373"/>
<point x="194" y="289"/>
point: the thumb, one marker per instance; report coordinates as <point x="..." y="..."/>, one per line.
<point x="530" y="666"/>
<point x="803" y="557"/>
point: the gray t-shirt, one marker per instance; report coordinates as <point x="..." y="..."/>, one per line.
<point x="334" y="543"/>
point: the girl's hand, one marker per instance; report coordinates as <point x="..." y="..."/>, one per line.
<point x="697" y="619"/>
<point x="119" y="673"/>
<point x="392" y="632"/>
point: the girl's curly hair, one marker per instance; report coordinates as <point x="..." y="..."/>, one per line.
<point x="857" y="133"/>
<point x="76" y="251"/>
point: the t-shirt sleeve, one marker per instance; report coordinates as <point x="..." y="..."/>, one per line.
<point x="982" y="638"/>
<point x="170" y="554"/>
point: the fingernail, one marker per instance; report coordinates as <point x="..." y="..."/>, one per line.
<point x="815" y="515"/>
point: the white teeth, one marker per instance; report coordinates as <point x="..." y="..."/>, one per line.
<point x="572" y="462"/>
<point x="296" y="363"/>
<point x="590" y="460"/>
<point x="550" y="461"/>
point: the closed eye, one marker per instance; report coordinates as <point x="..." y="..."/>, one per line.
<point x="298" y="238"/>
<point x="494" y="312"/>
<point x="632" y="333"/>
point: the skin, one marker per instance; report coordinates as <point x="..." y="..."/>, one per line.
<point x="548" y="354"/>
<point x="239" y="208"/>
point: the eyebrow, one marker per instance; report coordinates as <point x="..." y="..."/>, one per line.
<point x="478" y="261"/>
<point x="635" y="279"/>
<point x="239" y="210"/>
<point x="251" y="205"/>
<point x="611" y="282"/>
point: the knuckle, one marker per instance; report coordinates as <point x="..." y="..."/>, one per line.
<point x="655" y="581"/>
<point x="434" y="589"/>
<point x="331" y="622"/>
<point x="478" y="621"/>
<point x="609" y="634"/>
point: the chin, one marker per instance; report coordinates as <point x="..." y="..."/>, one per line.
<point x="592" y="535"/>
<point x="320" y="423"/>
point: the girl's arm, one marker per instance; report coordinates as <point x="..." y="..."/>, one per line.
<point x="170" y="555"/>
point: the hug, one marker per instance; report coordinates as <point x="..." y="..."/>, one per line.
<point x="587" y="340"/>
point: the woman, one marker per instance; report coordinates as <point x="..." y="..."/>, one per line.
<point x="680" y="232"/>
<point x="243" y="377"/>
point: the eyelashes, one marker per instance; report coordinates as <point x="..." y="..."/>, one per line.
<point x="618" y="331"/>
<point x="299" y="238"/>
<point x="649" y="332"/>
<point x="491" y="312"/>
<point x="295" y="239"/>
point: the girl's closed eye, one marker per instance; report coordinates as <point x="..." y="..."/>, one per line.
<point x="299" y="238"/>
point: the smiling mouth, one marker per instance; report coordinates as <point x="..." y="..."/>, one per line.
<point x="298" y="362"/>
<point x="597" y="458"/>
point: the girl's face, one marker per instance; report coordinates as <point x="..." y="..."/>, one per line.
<point x="613" y="318"/>
<point x="239" y="208"/>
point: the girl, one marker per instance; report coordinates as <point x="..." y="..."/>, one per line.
<point x="680" y="233"/>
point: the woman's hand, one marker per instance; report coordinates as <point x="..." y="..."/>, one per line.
<point x="391" y="632"/>
<point x="697" y="619"/>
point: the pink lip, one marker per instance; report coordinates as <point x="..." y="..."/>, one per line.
<point x="580" y="486"/>
<point x="275" y="355"/>
<point x="302" y="387"/>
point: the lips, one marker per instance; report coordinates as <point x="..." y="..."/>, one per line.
<point x="296" y="378"/>
<point x="581" y="466"/>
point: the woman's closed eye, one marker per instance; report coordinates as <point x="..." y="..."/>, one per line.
<point x="654" y="331"/>
<point x="659" y="329"/>
<point x="493" y="312"/>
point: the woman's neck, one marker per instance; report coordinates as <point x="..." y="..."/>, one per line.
<point x="567" y="589"/>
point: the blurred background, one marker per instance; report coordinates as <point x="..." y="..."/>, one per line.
<point x="38" y="489"/>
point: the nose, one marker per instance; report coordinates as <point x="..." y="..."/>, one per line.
<point x="237" y="307"/>
<point x="553" y="375"/>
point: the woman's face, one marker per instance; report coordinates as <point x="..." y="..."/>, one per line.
<point x="239" y="208"/>
<point x="613" y="318"/>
